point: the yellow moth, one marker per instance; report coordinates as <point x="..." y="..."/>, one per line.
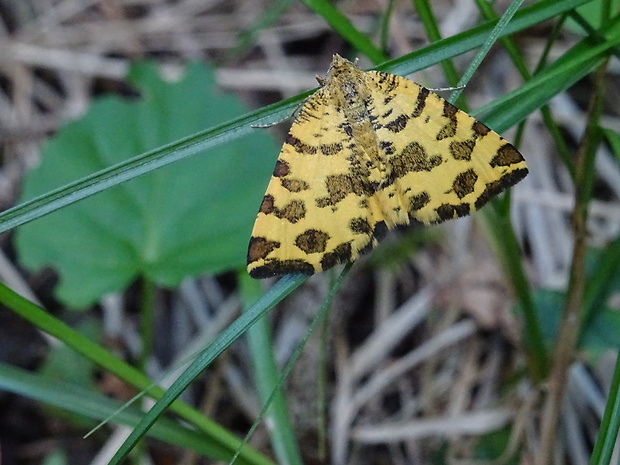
<point x="369" y="151"/>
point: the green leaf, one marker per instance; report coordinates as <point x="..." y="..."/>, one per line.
<point x="191" y="217"/>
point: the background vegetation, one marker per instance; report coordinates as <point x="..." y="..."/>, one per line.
<point x="489" y="338"/>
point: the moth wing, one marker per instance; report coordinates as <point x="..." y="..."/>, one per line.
<point x="442" y="162"/>
<point x="298" y="228"/>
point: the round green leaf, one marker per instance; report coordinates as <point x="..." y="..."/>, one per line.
<point x="189" y="217"/>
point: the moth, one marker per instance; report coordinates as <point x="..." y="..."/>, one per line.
<point x="369" y="151"/>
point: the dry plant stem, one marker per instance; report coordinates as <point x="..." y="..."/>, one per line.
<point x="571" y="318"/>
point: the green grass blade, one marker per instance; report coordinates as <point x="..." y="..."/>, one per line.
<point x="270" y="391"/>
<point x="580" y="60"/>
<point x="499" y="229"/>
<point x="266" y="379"/>
<point x="92" y="405"/>
<point x="423" y="8"/>
<point x="282" y="288"/>
<point x="341" y="24"/>
<point x="139" y="165"/>
<point x="475" y="37"/>
<point x="81" y="344"/>
<point x="610" y="425"/>
<point x="496" y="32"/>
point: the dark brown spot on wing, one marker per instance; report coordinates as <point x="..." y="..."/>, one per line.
<point x="397" y="124"/>
<point x="312" y="241"/>
<point x="387" y="147"/>
<point x="294" y="185"/>
<point x="281" y="169"/>
<point x="495" y="187"/>
<point x="412" y="158"/>
<point x="340" y="185"/>
<point x="299" y="146"/>
<point x="418" y="201"/>
<point x="421" y="102"/>
<point x="267" y="205"/>
<point x="461" y="150"/>
<point x="360" y="226"/>
<point x="331" y="149"/>
<point x="480" y="129"/>
<point x="506" y="155"/>
<point x="293" y="211"/>
<point x="449" y="130"/>
<point x="341" y="254"/>
<point x="464" y="183"/>
<point x="380" y="230"/>
<point x="449" y="110"/>
<point x="260" y="248"/>
<point x="281" y="267"/>
<point x="449" y="211"/>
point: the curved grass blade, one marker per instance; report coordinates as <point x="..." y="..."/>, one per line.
<point x="84" y="346"/>
<point x="281" y="289"/>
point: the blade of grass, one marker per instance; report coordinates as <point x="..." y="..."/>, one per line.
<point x="139" y="165"/>
<point x="499" y="229"/>
<point x="610" y="425"/>
<point x="572" y="316"/>
<point x="272" y="391"/>
<point x="385" y="25"/>
<point x="343" y="27"/>
<point x="427" y="17"/>
<point x="46" y="322"/>
<point x="475" y="37"/>
<point x="496" y="32"/>
<point x="281" y="289"/>
<point x="92" y="405"/>
<point x="577" y="62"/>
<point x="266" y="378"/>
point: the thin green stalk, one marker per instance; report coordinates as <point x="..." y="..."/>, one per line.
<point x="267" y="377"/>
<point x="385" y="26"/>
<point x="497" y="224"/>
<point x="610" y="425"/>
<point x="536" y="352"/>
<point x="423" y="9"/>
<point x="573" y="315"/>
<point x="322" y="395"/>
<point x="238" y="327"/>
<point x="297" y="352"/>
<point x="497" y="32"/>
